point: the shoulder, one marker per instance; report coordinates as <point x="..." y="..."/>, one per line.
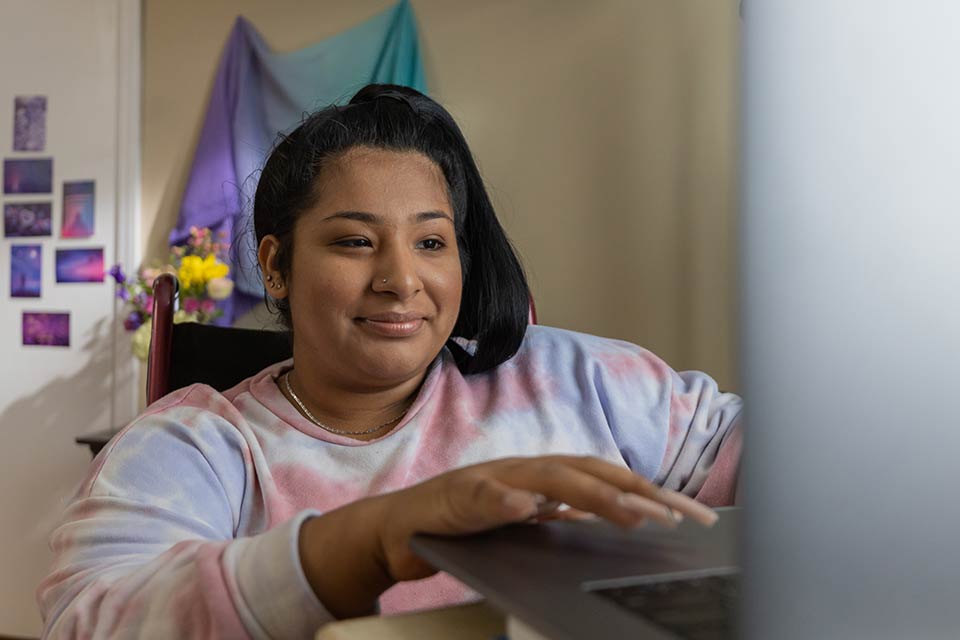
<point x="539" y="336"/>
<point x="192" y="428"/>
<point x="561" y="349"/>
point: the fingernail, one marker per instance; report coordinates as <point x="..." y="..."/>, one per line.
<point x="699" y="512"/>
<point x="643" y="507"/>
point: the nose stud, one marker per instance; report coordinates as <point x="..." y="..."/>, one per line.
<point x="383" y="281"/>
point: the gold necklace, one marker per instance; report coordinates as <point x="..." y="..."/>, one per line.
<point x="313" y="419"/>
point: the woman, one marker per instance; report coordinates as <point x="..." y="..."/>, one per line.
<point x="289" y="500"/>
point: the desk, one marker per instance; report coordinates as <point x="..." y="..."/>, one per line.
<point x="476" y="621"/>
<point x="96" y="440"/>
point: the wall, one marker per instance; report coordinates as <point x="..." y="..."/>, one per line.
<point x="69" y="52"/>
<point x="605" y="130"/>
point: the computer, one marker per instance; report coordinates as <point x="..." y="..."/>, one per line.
<point x="570" y="580"/>
<point x="850" y="343"/>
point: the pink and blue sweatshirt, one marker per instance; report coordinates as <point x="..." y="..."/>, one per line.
<point x="187" y="523"/>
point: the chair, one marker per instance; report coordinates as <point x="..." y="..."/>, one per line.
<point x="189" y="352"/>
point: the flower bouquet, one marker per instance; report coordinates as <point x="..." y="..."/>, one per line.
<point x="199" y="266"/>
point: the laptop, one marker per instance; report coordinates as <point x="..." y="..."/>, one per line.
<point x="572" y="580"/>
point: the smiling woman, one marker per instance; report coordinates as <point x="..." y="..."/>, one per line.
<point x="417" y="400"/>
<point x="383" y="284"/>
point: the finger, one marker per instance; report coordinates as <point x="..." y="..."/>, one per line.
<point x="568" y="513"/>
<point x="545" y="506"/>
<point x="634" y="483"/>
<point x="699" y="512"/>
<point x="477" y="502"/>
<point x="557" y="479"/>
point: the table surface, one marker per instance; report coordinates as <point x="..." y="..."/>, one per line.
<point x="96" y="440"/>
<point x="475" y="621"/>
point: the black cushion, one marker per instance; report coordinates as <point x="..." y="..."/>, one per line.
<point x="223" y="356"/>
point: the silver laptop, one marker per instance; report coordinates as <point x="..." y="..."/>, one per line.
<point x="589" y="579"/>
<point x="850" y="316"/>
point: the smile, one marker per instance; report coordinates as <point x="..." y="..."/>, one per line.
<point x="392" y="328"/>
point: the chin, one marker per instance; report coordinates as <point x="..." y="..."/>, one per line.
<point x="394" y="365"/>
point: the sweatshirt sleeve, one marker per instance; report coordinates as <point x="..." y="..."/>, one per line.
<point x="675" y="428"/>
<point x="704" y="435"/>
<point x="149" y="547"/>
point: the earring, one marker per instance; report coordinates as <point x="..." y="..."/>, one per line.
<point x="269" y="277"/>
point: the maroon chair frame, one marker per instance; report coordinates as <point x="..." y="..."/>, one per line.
<point x="165" y="289"/>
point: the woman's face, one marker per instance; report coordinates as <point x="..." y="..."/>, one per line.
<point x="375" y="280"/>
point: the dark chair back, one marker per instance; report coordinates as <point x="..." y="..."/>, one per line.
<point x="223" y="356"/>
<point x="186" y="353"/>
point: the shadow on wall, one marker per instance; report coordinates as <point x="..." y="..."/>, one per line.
<point x="41" y="468"/>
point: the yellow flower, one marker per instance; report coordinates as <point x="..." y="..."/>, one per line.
<point x="190" y="271"/>
<point x="195" y="271"/>
<point x="213" y="269"/>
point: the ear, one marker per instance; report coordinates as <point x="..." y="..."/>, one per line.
<point x="267" y="257"/>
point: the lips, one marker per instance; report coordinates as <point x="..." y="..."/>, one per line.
<point x="393" y="325"/>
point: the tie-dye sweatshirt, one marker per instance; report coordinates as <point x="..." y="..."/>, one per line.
<point x="187" y="523"/>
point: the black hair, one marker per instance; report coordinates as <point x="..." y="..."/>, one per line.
<point x="495" y="303"/>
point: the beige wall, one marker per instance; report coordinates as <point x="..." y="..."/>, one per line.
<point x="605" y="131"/>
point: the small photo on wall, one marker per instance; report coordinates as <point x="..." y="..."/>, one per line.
<point x="47" y="329"/>
<point x="25" y="270"/>
<point x="77" y="209"/>
<point x="29" y="123"/>
<point x="79" y="265"/>
<point x="24" y="219"/>
<point x="33" y="175"/>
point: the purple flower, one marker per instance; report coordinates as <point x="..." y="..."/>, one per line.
<point x="118" y="275"/>
<point x="123" y="294"/>
<point x="132" y="321"/>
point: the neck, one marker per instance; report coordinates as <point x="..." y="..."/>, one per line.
<point x="346" y="408"/>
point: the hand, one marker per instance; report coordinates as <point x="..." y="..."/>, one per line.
<point x="491" y="494"/>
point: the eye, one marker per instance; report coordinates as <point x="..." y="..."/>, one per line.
<point x="431" y="244"/>
<point x="353" y="242"/>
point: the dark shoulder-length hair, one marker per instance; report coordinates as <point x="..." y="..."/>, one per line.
<point x="495" y="303"/>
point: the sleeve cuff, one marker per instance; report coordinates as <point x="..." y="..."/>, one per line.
<point x="277" y="599"/>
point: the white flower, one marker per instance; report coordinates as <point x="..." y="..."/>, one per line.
<point x="180" y="316"/>
<point x="140" y="341"/>
<point x="220" y="288"/>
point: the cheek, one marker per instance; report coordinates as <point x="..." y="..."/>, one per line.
<point x="332" y="291"/>
<point x="452" y="291"/>
<point x="448" y="284"/>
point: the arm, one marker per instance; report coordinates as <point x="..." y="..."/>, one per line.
<point x="371" y="537"/>
<point x="149" y="547"/>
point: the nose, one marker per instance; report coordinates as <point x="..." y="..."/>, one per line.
<point x="397" y="273"/>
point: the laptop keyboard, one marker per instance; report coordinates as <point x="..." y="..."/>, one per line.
<point x="700" y="608"/>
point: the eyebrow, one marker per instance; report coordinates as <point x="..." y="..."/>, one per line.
<point x="374" y="219"/>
